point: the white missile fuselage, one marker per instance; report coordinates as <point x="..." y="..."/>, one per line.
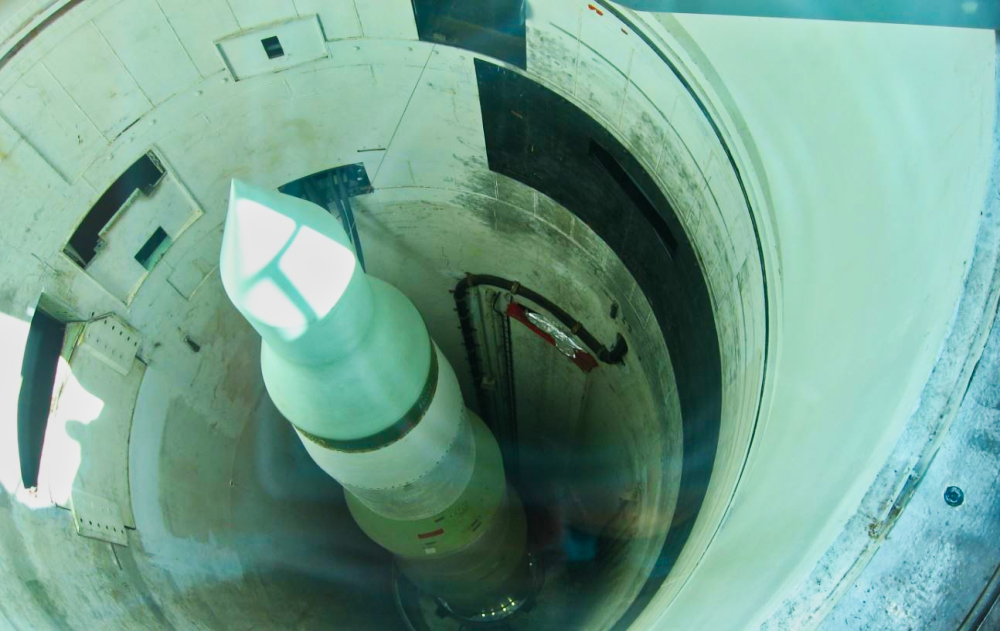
<point x="348" y="361"/>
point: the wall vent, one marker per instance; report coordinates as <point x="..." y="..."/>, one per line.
<point x="272" y="46"/>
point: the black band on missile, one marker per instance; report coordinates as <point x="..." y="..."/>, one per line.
<point x="395" y="431"/>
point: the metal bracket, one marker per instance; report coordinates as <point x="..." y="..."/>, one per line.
<point x="98" y="518"/>
<point x="113" y="341"/>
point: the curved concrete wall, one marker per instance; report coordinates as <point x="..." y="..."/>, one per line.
<point x="63" y="140"/>
<point x="624" y="81"/>
<point x="208" y="496"/>
<point x="877" y="144"/>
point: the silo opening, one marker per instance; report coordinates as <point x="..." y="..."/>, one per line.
<point x="559" y="348"/>
<point x="576" y="384"/>
<point x="599" y="301"/>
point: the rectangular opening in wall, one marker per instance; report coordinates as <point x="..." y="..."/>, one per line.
<point x="153" y="250"/>
<point x="38" y="376"/>
<point x="635" y="194"/>
<point x="272" y="46"/>
<point x="143" y="176"/>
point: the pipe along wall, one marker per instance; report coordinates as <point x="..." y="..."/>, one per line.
<point x="348" y="361"/>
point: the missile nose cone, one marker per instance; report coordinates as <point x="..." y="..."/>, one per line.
<point x="285" y="263"/>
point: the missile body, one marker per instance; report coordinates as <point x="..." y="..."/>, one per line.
<point x="348" y="361"/>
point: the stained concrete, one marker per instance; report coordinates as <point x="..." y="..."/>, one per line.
<point x="211" y="570"/>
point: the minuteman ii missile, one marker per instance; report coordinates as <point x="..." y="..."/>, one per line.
<point x="347" y="359"/>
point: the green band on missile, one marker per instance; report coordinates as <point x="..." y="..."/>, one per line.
<point x="395" y="431"/>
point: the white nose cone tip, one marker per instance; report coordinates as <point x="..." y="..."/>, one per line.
<point x="285" y="262"/>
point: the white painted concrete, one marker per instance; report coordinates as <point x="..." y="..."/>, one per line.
<point x="876" y="141"/>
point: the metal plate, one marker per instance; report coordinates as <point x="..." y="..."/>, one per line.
<point x="112" y="341"/>
<point x="98" y="518"/>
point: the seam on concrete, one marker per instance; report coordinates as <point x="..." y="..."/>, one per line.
<point x="402" y="115"/>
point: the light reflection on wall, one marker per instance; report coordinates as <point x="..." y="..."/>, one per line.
<point x="73" y="408"/>
<point x="13" y="335"/>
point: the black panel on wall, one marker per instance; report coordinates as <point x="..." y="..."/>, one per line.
<point x="537" y="137"/>
<point x="491" y="27"/>
<point x="34" y="402"/>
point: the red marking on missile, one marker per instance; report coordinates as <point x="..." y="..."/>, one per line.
<point x="433" y="533"/>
